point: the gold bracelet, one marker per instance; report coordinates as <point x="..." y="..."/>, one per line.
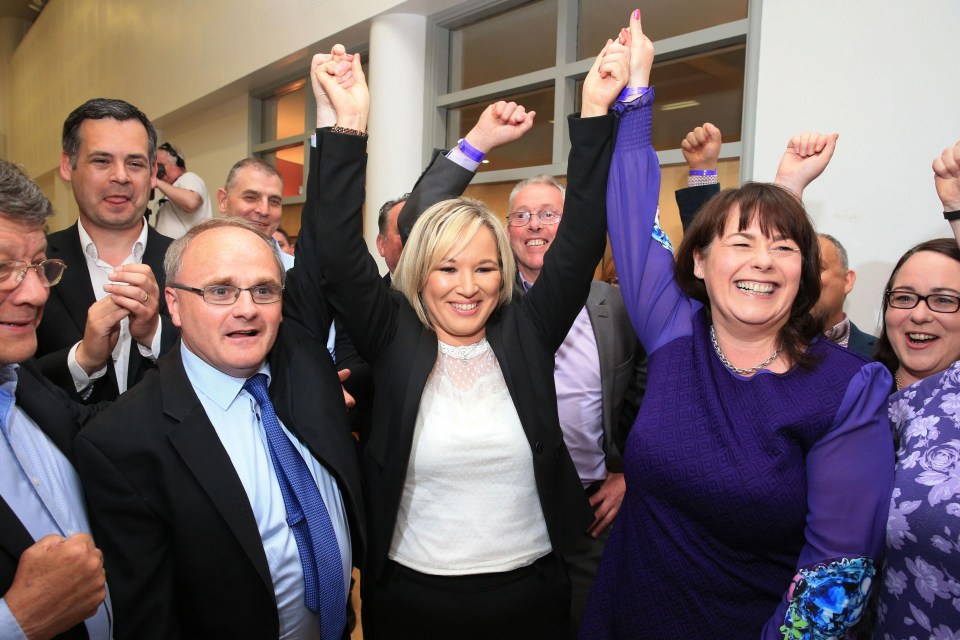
<point x="350" y="132"/>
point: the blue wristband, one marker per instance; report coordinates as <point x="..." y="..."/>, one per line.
<point x="470" y="151"/>
<point x="703" y="172"/>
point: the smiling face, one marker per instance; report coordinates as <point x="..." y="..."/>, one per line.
<point x="234" y="339"/>
<point x="22" y="307"/>
<point x="255" y="196"/>
<point x="463" y="290"/>
<point x="531" y="243"/>
<point x="113" y="177"/>
<point x="751" y="280"/>
<point x="925" y="342"/>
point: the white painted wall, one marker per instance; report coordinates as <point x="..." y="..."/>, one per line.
<point x="883" y="74"/>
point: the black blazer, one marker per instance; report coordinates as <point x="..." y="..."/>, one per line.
<point x="623" y="363"/>
<point x="65" y="315"/>
<point x="179" y="538"/>
<point x="60" y="419"/>
<point x="524" y="334"/>
<point x="862" y="342"/>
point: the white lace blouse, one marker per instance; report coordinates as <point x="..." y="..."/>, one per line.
<point x="470" y="502"/>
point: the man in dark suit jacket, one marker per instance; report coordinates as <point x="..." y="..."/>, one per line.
<point x="187" y="506"/>
<point x="107" y="323"/>
<point x="51" y="575"/>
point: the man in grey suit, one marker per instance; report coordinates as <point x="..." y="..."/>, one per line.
<point x="598" y="383"/>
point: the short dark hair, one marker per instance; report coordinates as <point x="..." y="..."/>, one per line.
<point x="286" y="236"/>
<point x="98" y="109"/>
<point x="777" y="210"/>
<point x="944" y="246"/>
<point x="254" y="163"/>
<point x="20" y="197"/>
<point x="385" y="209"/>
<point x="174" y="153"/>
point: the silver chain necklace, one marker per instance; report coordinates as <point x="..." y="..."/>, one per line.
<point x="738" y="370"/>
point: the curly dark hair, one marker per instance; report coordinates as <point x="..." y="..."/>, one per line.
<point x="777" y="210"/>
<point x="944" y="246"/>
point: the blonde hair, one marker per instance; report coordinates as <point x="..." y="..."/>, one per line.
<point x="444" y="230"/>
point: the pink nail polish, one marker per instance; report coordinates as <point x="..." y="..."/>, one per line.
<point x="636" y="14"/>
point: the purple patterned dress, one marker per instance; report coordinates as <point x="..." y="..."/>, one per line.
<point x="920" y="595"/>
<point x="755" y="507"/>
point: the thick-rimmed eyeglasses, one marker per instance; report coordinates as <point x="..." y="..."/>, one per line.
<point x="12" y="272"/>
<point x="939" y="302"/>
<point x="522" y="218"/>
<point x="228" y="294"/>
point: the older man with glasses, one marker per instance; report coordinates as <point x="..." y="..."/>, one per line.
<point x="51" y="574"/>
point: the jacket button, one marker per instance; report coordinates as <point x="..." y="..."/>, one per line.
<point x="538" y="447"/>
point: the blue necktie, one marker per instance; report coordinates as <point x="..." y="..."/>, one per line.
<point x="308" y="518"/>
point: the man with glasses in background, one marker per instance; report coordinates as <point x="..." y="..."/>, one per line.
<point x="51" y="574"/>
<point x="185" y="201"/>
<point x="600" y="375"/>
<point x="107" y="323"/>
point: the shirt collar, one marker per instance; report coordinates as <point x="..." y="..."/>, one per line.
<point x="221" y="388"/>
<point x="90" y="249"/>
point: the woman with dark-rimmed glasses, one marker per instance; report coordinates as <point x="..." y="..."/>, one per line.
<point x="920" y="344"/>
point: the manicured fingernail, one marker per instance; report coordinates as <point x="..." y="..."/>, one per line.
<point x="636" y="14"/>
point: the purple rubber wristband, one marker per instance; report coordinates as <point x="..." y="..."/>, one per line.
<point x="470" y="151"/>
<point x="703" y="172"/>
<point x="631" y="91"/>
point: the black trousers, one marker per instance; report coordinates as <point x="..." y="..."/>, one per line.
<point x="526" y="603"/>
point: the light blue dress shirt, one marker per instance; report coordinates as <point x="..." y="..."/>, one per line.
<point x="42" y="488"/>
<point x="234" y="415"/>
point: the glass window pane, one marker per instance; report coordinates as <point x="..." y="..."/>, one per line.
<point x="508" y="44"/>
<point x="290" y="219"/>
<point x="289" y="162"/>
<point x="283" y="115"/>
<point x="536" y="146"/>
<point x="602" y="19"/>
<point x="691" y="91"/>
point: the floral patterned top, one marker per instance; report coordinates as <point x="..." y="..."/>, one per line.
<point x="920" y="596"/>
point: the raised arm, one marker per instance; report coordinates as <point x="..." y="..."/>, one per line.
<point x="701" y="150"/>
<point x="564" y="281"/>
<point x="946" y="176"/>
<point x="449" y="174"/>
<point x="641" y="250"/>
<point x="332" y="221"/>
<point x="807" y="155"/>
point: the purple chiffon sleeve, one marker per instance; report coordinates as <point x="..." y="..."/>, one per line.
<point x="658" y="309"/>
<point x="849" y="483"/>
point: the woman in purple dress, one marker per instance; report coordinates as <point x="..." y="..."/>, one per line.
<point x="920" y="343"/>
<point x="759" y="468"/>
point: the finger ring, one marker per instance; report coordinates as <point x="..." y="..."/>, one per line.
<point x="146" y="296"/>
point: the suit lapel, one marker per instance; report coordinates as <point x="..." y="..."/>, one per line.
<point x="14" y="537"/>
<point x="599" y="312"/>
<point x="153" y="254"/>
<point x="195" y="439"/>
<point x="47" y="411"/>
<point x="74" y="289"/>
